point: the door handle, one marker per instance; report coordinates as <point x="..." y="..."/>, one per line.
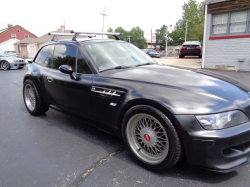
<point x="50" y="79"/>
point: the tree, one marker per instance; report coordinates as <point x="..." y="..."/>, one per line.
<point x="161" y="37"/>
<point x="194" y="13"/>
<point x="197" y="34"/>
<point x="110" y="36"/>
<point x="124" y="34"/>
<point x="137" y="38"/>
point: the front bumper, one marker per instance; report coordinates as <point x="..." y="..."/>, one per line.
<point x="17" y="65"/>
<point x="218" y="150"/>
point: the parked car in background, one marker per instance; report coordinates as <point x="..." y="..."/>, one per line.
<point x="190" y="48"/>
<point x="162" y="113"/>
<point x="10" y="53"/>
<point x="152" y="53"/>
<point x="7" y="62"/>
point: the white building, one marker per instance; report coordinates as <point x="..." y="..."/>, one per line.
<point x="226" y="42"/>
<point x="8" y="45"/>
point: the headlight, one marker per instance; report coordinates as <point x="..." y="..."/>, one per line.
<point x="222" y="120"/>
<point x="11" y="60"/>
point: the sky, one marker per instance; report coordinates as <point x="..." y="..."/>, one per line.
<point x="41" y="17"/>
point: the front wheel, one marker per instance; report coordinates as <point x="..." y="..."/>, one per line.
<point x="32" y="99"/>
<point x="151" y="138"/>
<point x="5" y="65"/>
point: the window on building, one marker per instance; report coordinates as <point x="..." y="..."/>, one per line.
<point x="238" y="22"/>
<point x="13" y="36"/>
<point x="220" y="23"/>
<point x="26" y="36"/>
<point x="231" y="23"/>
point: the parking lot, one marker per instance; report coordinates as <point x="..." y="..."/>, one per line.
<point x="57" y="149"/>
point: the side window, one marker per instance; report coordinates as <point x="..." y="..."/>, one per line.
<point x="82" y="66"/>
<point x="44" y="57"/>
<point x="64" y="55"/>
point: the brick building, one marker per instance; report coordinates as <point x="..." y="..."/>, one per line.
<point x="28" y="47"/>
<point x="15" y="32"/>
<point x="226" y="42"/>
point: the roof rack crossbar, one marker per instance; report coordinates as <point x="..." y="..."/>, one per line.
<point x="115" y="34"/>
<point x="74" y="35"/>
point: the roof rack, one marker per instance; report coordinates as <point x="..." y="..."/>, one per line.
<point x="83" y="33"/>
<point x="115" y="34"/>
<point x="69" y="34"/>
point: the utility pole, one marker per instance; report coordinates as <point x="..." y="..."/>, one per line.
<point x="167" y="39"/>
<point x="151" y="38"/>
<point x="186" y="30"/>
<point x="103" y="14"/>
<point x="64" y="24"/>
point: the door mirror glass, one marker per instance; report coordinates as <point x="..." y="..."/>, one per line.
<point x="66" y="69"/>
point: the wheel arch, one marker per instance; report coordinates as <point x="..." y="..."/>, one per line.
<point x="166" y="110"/>
<point x="141" y="101"/>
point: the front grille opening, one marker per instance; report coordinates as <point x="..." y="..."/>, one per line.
<point x="237" y="150"/>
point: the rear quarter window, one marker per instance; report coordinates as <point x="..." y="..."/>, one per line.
<point x="45" y="55"/>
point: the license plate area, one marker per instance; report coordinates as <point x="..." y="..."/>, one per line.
<point x="191" y="47"/>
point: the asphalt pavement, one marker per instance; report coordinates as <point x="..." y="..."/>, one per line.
<point x="57" y="149"/>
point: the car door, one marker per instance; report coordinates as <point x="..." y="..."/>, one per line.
<point x="65" y="91"/>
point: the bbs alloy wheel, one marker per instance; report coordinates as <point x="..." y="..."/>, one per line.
<point x="151" y="138"/>
<point x="147" y="138"/>
<point x="32" y="99"/>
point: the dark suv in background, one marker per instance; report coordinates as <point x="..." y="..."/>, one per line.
<point x="190" y="48"/>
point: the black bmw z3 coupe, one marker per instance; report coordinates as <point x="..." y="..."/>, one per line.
<point x="162" y="113"/>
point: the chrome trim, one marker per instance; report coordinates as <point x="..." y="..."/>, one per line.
<point x="107" y="93"/>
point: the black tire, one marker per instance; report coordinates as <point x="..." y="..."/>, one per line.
<point x="32" y="99"/>
<point x="174" y="148"/>
<point x="5" y="65"/>
<point x="200" y="56"/>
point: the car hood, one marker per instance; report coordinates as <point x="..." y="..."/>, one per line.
<point x="201" y="84"/>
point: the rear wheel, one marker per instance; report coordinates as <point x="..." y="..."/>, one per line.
<point x="151" y="138"/>
<point x="32" y="99"/>
<point x="5" y="65"/>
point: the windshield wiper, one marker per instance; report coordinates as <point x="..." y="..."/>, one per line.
<point x="149" y="63"/>
<point x="117" y="67"/>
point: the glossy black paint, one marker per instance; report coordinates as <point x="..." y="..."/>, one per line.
<point x="103" y="98"/>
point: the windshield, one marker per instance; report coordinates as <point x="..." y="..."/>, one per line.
<point x="152" y="51"/>
<point x="112" y="54"/>
<point x="11" y="52"/>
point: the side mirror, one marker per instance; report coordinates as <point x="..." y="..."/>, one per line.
<point x="29" y="61"/>
<point x="66" y="69"/>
